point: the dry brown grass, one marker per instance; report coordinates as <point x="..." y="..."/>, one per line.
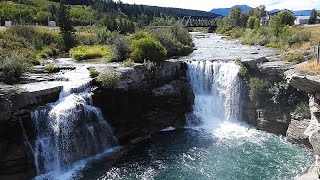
<point x="306" y="46"/>
<point x="310" y="67"/>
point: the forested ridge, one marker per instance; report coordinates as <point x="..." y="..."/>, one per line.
<point x="88" y="12"/>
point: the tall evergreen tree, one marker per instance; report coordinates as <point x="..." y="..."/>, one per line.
<point x="66" y="28"/>
<point x="313" y="16"/>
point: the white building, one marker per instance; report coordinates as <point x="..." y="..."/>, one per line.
<point x="52" y="23"/>
<point x="304" y="20"/>
<point x="7" y="23"/>
<point x="264" y="21"/>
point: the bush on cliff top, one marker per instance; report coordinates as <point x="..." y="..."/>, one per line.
<point x="12" y="67"/>
<point x="147" y="49"/>
<point x="108" y="79"/>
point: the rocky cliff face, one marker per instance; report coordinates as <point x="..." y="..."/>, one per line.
<point x="283" y="114"/>
<point x="311" y="85"/>
<point x="273" y="114"/>
<point x="16" y="103"/>
<point x="145" y="100"/>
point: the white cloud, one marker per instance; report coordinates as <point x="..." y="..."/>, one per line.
<point x="210" y="4"/>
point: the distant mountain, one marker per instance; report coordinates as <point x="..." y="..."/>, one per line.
<point x="245" y="8"/>
<point x="273" y="10"/>
<point x="302" y="13"/>
<point x="225" y="11"/>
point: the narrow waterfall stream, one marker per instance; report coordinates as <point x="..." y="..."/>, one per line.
<point x="220" y="146"/>
<point x="70" y="130"/>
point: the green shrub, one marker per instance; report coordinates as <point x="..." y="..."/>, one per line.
<point x="121" y="48"/>
<point x="243" y="69"/>
<point x="93" y="72"/>
<point x="250" y="22"/>
<point x="181" y="34"/>
<point x="12" y="67"/>
<point x="298" y="37"/>
<point x="89" y="52"/>
<point x="108" y="79"/>
<point x="169" y="40"/>
<point x="128" y="63"/>
<point x="86" y="39"/>
<point x="296" y="58"/>
<point x="237" y="60"/>
<point x="140" y="34"/>
<point x="302" y="108"/>
<point x="147" y="49"/>
<point x="52" y="68"/>
<point x="259" y="91"/>
<point x="236" y="33"/>
<point x="46" y="52"/>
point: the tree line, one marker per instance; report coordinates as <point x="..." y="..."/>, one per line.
<point x="116" y="15"/>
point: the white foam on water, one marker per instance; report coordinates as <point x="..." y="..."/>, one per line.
<point x="76" y="167"/>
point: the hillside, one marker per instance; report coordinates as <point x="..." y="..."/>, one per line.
<point x="225" y="11"/>
<point x="245" y="8"/>
<point x="86" y="12"/>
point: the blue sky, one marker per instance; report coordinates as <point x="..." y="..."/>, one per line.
<point x="210" y="4"/>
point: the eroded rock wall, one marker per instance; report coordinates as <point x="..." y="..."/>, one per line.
<point x="145" y="100"/>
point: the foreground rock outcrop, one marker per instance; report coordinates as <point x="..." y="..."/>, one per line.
<point x="145" y="100"/>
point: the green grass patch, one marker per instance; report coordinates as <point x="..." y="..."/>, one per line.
<point x="296" y="58"/>
<point x="93" y="72"/>
<point x="128" y="63"/>
<point x="90" y="52"/>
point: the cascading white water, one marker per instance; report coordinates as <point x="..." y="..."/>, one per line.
<point x="70" y="129"/>
<point x="217" y="89"/>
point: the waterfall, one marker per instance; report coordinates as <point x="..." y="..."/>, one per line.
<point x="217" y="89"/>
<point x="70" y="129"/>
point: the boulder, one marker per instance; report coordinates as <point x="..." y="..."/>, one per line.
<point x="303" y="82"/>
<point x="295" y="133"/>
<point x="253" y="63"/>
<point x="275" y="68"/>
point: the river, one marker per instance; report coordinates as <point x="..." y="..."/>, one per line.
<point x="221" y="146"/>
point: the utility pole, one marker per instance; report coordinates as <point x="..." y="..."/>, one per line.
<point x="318" y="53"/>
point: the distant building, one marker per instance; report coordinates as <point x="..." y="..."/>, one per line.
<point x="265" y="20"/>
<point x="52" y="24"/>
<point x="301" y="20"/>
<point x="8" y="23"/>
